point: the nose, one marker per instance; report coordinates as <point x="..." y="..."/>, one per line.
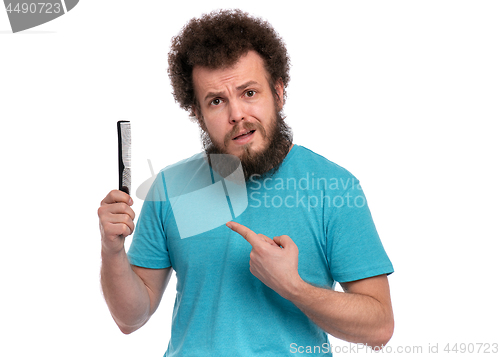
<point x="236" y="112"/>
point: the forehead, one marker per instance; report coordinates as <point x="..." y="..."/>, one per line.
<point x="250" y="67"/>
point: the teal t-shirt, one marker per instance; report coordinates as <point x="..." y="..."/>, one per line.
<point x="221" y="309"/>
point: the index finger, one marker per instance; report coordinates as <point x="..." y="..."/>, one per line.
<point x="116" y="196"/>
<point x="245" y="232"/>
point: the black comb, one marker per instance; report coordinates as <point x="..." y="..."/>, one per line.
<point x="124" y="156"/>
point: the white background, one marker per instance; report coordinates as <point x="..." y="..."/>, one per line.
<point x="404" y="94"/>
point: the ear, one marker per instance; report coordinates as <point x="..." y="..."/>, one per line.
<point x="196" y="116"/>
<point x="194" y="112"/>
<point x="278" y="91"/>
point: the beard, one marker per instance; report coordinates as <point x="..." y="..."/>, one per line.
<point x="277" y="141"/>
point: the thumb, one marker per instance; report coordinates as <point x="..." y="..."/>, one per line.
<point x="284" y="241"/>
<point x="268" y="240"/>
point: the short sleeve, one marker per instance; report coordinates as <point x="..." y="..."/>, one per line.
<point x="354" y="248"/>
<point x="149" y="244"/>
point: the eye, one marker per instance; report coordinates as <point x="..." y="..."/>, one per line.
<point x="250" y="93"/>
<point x="216" y="101"/>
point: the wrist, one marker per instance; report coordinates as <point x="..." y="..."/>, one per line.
<point x="112" y="253"/>
<point x="298" y="291"/>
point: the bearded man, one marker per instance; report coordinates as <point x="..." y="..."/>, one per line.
<point x="230" y="71"/>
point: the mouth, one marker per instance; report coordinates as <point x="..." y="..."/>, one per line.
<point x="242" y="136"/>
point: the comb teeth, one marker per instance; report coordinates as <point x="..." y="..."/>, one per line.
<point x="124" y="156"/>
<point x="126" y="179"/>
<point x="126" y="144"/>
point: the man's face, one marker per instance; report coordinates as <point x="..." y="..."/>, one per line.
<point x="238" y="107"/>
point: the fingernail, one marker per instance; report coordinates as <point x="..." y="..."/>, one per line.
<point x="130" y="202"/>
<point x="229" y="225"/>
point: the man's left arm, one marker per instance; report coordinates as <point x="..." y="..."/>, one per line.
<point x="360" y="314"/>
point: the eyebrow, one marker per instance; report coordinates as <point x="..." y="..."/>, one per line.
<point x="245" y="85"/>
<point x="218" y="94"/>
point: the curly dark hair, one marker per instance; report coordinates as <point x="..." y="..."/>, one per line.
<point x="217" y="40"/>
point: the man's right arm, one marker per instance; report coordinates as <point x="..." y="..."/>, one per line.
<point x="132" y="293"/>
